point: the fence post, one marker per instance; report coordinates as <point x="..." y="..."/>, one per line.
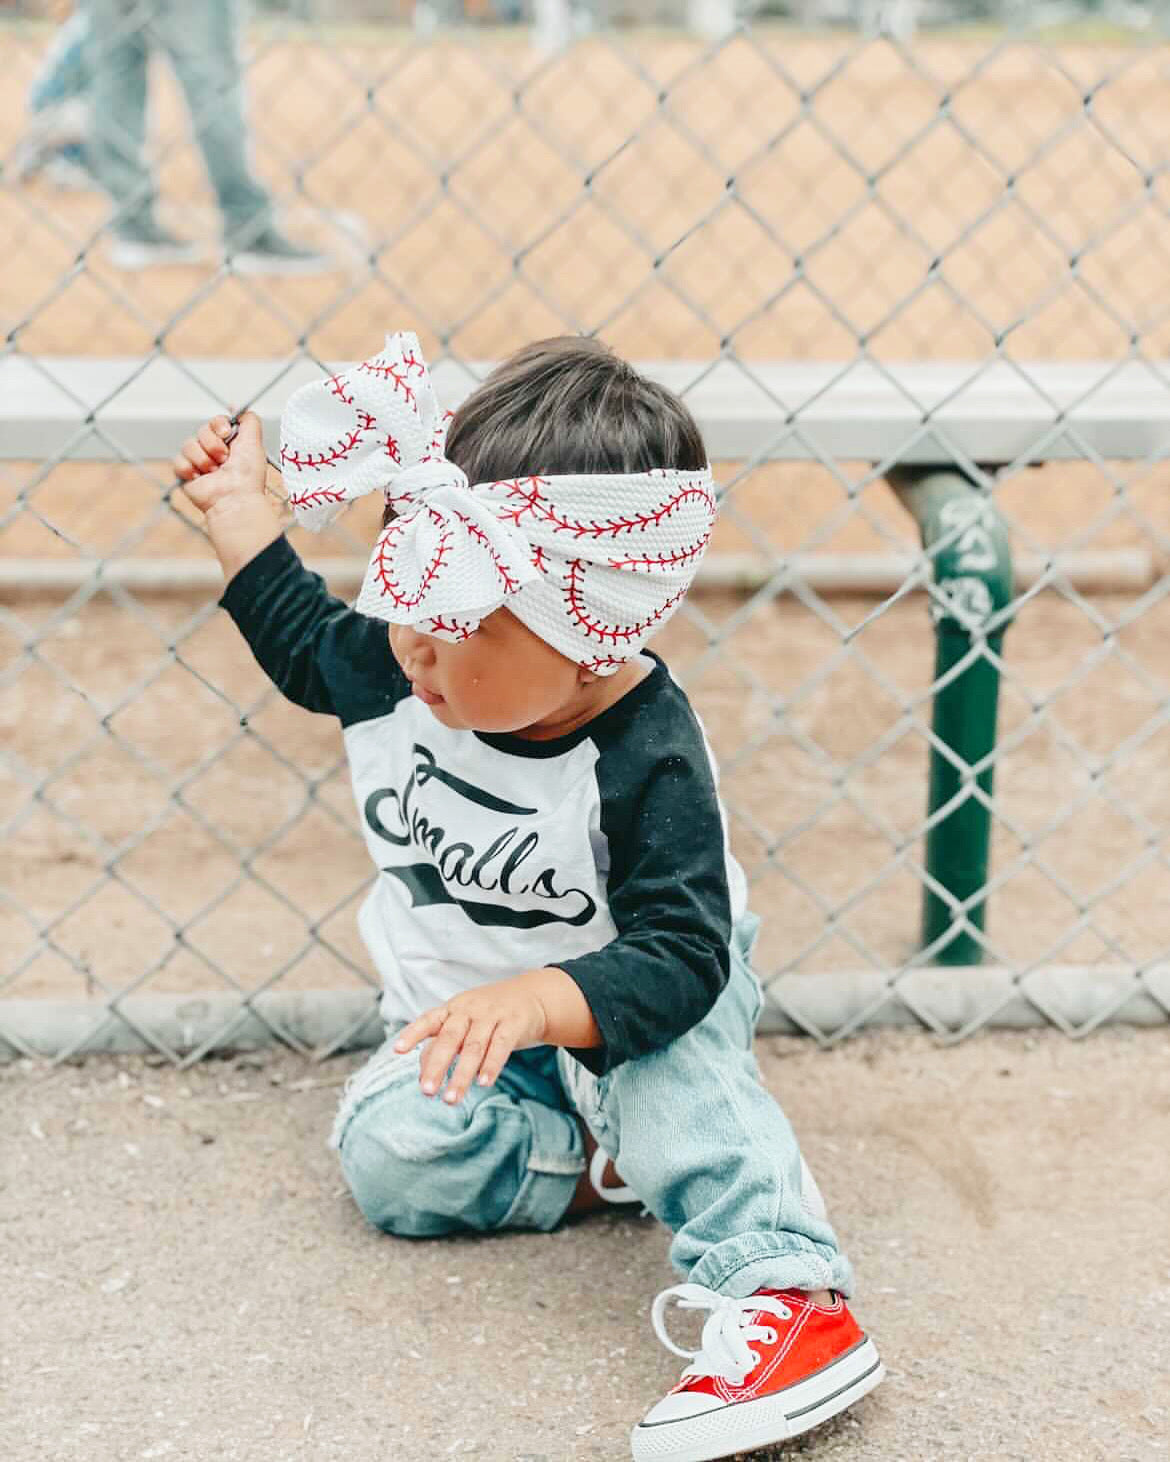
<point x="967" y="538"/>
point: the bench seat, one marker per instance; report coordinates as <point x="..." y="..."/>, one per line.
<point x="90" y="408"/>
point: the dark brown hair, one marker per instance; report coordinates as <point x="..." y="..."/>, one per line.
<point x="568" y="405"/>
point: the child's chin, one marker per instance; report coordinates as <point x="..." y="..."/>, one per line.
<point x="447" y="717"/>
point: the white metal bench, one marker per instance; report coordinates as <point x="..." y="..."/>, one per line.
<point x="110" y="409"/>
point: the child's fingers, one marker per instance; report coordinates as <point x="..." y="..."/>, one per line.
<point x="247" y="461"/>
<point x="441" y="1052"/>
<point x="472" y="1052"/>
<point x="499" y="1049"/>
<point x="183" y="469"/>
<point x="213" y="444"/>
<point x="223" y="427"/>
<point x="196" y="455"/>
<point x="427" y="1024"/>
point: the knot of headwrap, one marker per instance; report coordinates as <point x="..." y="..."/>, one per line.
<point x="592" y="563"/>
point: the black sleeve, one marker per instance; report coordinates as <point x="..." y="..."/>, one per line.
<point x="668" y="896"/>
<point x="316" y="650"/>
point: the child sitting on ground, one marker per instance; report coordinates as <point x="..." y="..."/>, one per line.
<point x="557" y="915"/>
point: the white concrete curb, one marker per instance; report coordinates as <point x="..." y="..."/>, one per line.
<point x="951" y="1001"/>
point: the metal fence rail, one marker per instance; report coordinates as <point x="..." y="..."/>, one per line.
<point x="182" y="860"/>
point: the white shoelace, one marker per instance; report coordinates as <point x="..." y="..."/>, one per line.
<point x="724" y="1349"/>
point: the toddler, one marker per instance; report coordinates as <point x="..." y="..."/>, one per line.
<point x="561" y="932"/>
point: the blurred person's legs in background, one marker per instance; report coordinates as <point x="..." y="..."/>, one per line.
<point x="120" y="38"/>
<point x="58" y="104"/>
<point x="201" y="39"/>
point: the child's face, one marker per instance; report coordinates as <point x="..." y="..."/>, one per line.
<point x="504" y="678"/>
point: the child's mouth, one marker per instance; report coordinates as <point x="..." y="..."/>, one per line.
<point x="428" y="697"/>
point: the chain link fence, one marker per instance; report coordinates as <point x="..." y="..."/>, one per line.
<point x="776" y="205"/>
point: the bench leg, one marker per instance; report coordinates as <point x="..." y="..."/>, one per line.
<point x="967" y="539"/>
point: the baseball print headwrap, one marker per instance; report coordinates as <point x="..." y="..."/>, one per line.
<point x="592" y="563"/>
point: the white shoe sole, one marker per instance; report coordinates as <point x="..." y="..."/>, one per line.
<point x="619" y="1194"/>
<point x="766" y="1421"/>
<point x="268" y="264"/>
<point x="133" y="257"/>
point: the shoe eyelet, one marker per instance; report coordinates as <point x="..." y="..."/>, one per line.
<point x="771" y="1337"/>
<point x="755" y="1355"/>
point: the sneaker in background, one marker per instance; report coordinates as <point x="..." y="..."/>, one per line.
<point x="144" y="245"/>
<point x="68" y="169"/>
<point x="270" y="252"/>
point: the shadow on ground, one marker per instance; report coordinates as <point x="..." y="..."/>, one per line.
<point x="186" y="1277"/>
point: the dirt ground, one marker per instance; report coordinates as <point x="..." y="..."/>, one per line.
<point x="186" y="1277"/>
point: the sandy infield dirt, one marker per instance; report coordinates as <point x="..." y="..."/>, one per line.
<point x="186" y="1278"/>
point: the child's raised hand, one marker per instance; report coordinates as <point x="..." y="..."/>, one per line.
<point x="210" y="469"/>
<point x="482" y="1027"/>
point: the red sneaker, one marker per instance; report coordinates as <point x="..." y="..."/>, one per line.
<point x="807" y="1363"/>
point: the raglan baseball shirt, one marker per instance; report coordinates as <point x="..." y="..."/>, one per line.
<point x="603" y="853"/>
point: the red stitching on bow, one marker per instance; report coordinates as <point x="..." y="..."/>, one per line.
<point x="511" y="585"/>
<point x="614" y="634"/>
<point x="539" y="506"/>
<point x="604" y="660"/>
<point x="410" y="359"/>
<point x="438" y="442"/>
<point x="539" y="561"/>
<point x="393" y="451"/>
<point x="531" y="497"/>
<point x="314" y="461"/>
<point x="316" y="497"/>
<point x="391" y="373"/>
<point x="389" y="584"/>
<point x="450" y="627"/>
<point x="663" y="561"/>
<point x="336" y="385"/>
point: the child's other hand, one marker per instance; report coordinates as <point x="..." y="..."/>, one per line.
<point x="210" y="470"/>
<point x="482" y="1027"/>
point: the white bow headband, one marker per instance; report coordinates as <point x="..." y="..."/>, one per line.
<point x="592" y="563"/>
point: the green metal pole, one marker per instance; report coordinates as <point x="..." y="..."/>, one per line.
<point x="968" y="541"/>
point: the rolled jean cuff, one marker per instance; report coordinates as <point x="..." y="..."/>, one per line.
<point x="740" y="1266"/>
<point x="556" y="1160"/>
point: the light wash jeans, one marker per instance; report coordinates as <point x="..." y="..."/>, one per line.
<point x="63" y="76"/>
<point x="63" y="82"/>
<point x="201" y="38"/>
<point x="690" y="1128"/>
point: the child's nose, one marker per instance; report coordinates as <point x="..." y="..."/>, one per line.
<point x="413" y="651"/>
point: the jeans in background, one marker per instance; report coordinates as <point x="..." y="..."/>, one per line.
<point x="62" y="84"/>
<point x="201" y="40"/>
